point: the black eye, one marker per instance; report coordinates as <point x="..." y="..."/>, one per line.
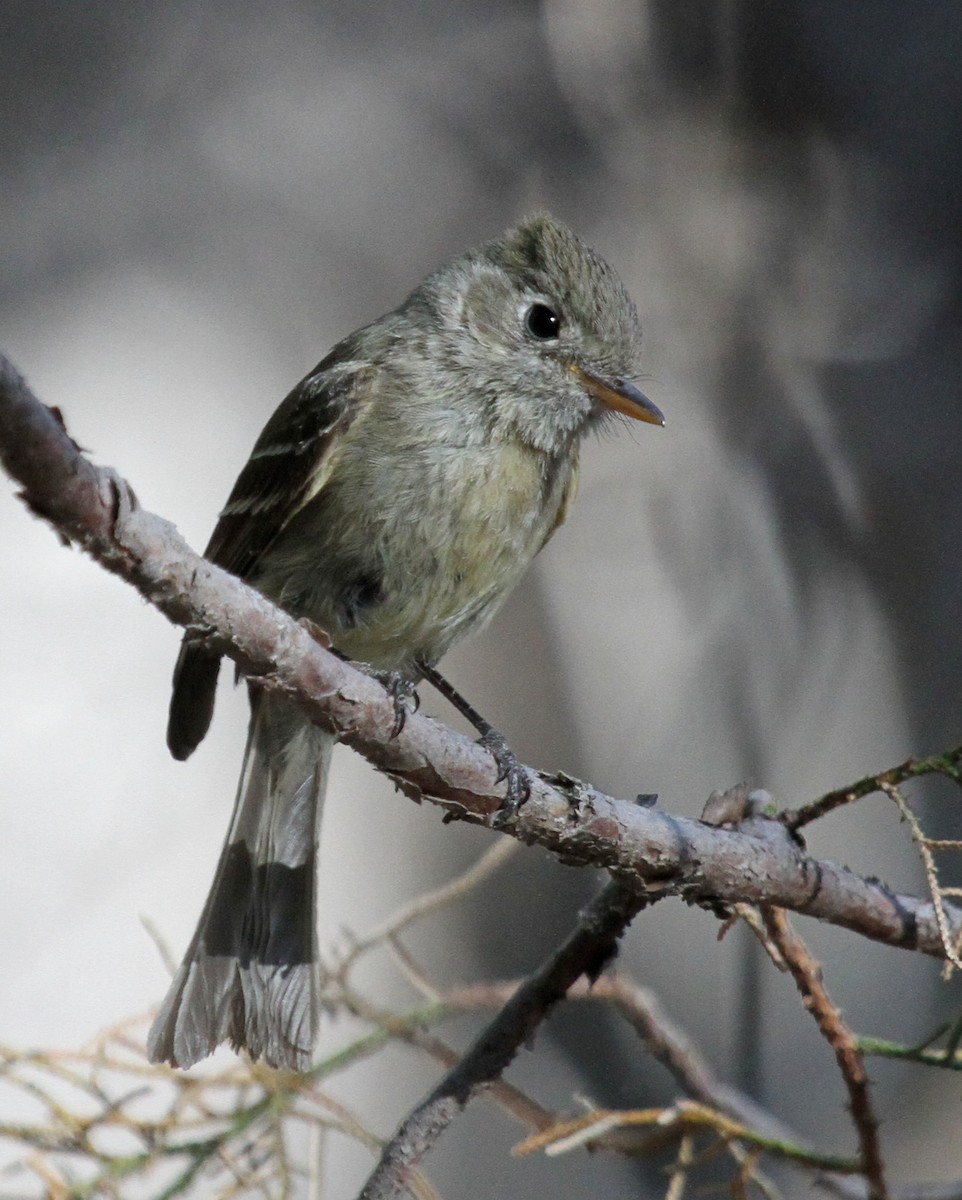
<point x="542" y="322"/>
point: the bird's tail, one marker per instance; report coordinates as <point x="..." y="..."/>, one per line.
<point x="251" y="974"/>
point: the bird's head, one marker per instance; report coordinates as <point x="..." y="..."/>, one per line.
<point x="553" y="337"/>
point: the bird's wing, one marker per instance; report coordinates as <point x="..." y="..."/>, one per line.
<point x="289" y="465"/>
<point x="290" y="462"/>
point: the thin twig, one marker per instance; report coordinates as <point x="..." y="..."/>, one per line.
<point x="679" y="1172"/>
<point x="411" y="969"/>
<point x="492" y="860"/>
<point x="882" y="1048"/>
<point x="931" y="871"/>
<point x="808" y="979"/>
<point x="948" y="764"/>
<point x="685" y="1116"/>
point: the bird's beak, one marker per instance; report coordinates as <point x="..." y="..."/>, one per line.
<point x="619" y="395"/>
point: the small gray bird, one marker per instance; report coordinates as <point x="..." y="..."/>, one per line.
<point x="394" y="498"/>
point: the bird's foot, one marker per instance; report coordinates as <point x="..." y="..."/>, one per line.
<point x="401" y="689"/>
<point x="510" y="771"/>
<point x="509" y="767"/>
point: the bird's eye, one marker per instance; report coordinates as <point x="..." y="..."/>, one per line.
<point x="542" y="322"/>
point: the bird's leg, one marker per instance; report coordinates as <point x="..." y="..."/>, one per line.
<point x="509" y="767"/>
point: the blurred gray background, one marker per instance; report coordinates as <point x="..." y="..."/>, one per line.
<point x="199" y="200"/>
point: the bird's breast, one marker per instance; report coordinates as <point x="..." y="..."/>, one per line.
<point x="411" y="547"/>
<point x="459" y="547"/>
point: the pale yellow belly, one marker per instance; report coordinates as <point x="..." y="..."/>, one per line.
<point x="446" y="544"/>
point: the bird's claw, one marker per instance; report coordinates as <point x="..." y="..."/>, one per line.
<point x="406" y="699"/>
<point x="402" y="691"/>
<point x="510" y="772"/>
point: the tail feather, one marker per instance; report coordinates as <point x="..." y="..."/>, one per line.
<point x="192" y="698"/>
<point x="251" y="973"/>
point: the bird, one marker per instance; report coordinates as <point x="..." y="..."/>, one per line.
<point x="394" y="499"/>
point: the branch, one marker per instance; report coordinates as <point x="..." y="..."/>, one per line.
<point x="758" y="863"/>
<point x="584" y="952"/>
<point x="808" y="979"/>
